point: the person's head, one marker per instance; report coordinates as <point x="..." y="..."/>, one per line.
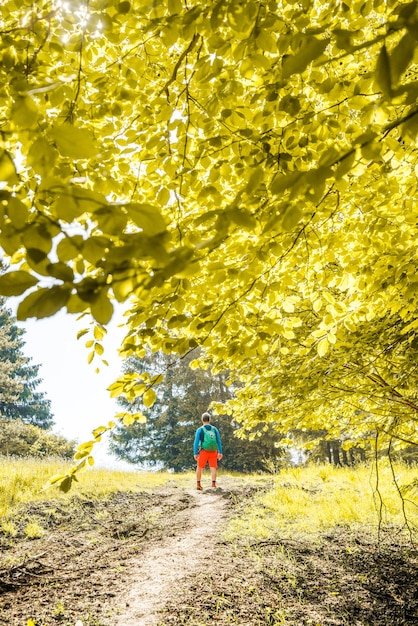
<point x="206" y="418"/>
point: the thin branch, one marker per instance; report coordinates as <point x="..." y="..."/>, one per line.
<point x="180" y="60"/>
<point x="407" y="524"/>
<point x="377" y="491"/>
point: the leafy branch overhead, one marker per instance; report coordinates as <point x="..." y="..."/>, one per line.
<point x="243" y="174"/>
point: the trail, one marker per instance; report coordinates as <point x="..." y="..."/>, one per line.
<point x="159" y="570"/>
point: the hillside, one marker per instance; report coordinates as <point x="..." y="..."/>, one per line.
<point x="160" y="557"/>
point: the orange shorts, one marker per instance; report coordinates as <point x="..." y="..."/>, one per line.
<point x="207" y="457"/>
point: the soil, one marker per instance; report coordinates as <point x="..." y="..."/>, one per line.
<point x="159" y="558"/>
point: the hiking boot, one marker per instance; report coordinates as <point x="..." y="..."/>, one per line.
<point x="214" y="485"/>
<point x="199" y="488"/>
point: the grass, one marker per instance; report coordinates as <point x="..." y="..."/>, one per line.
<point x="299" y="501"/>
<point x="307" y="502"/>
<point x="23" y="481"/>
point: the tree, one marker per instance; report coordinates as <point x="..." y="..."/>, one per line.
<point x="19" y="397"/>
<point x="244" y="173"/>
<point x="164" y="436"/>
<point x="20" y="439"/>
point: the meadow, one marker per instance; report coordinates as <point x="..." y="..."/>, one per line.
<point x="308" y="546"/>
<point x="367" y="496"/>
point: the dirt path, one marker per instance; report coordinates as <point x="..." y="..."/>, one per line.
<point x="144" y="559"/>
<point x="156" y="573"/>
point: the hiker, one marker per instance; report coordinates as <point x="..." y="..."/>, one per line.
<point x="207" y="448"/>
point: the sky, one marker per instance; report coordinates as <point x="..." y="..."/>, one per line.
<point x="79" y="398"/>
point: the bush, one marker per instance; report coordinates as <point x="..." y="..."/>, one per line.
<point x="20" y="439"/>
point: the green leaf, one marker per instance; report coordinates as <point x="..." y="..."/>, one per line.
<point x="43" y="302"/>
<point x="16" y="283"/>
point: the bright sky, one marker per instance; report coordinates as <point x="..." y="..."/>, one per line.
<point x="79" y="398"/>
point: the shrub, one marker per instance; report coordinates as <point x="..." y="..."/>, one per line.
<point x="20" y="439"/>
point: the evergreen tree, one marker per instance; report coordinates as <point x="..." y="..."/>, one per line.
<point x="19" y="381"/>
<point x="165" y="440"/>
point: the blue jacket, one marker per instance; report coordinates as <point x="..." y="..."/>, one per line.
<point x="198" y="438"/>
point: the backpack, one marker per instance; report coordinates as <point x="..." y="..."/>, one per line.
<point x="208" y="439"/>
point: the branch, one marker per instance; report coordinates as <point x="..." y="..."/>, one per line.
<point x="407" y="524"/>
<point x="180" y="60"/>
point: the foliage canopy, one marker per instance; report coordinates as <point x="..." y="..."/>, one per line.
<point x="244" y="173"/>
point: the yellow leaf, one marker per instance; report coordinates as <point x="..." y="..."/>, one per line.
<point x="76" y="143"/>
<point x="382" y="73"/>
<point x="7" y="168"/>
<point x="98" y="348"/>
<point x="322" y="346"/>
<point x="99" y="431"/>
<point x="140" y="418"/>
<point x="128" y="419"/>
<point x="329" y="297"/>
<point x="149" y="397"/>
<point x="99" y="332"/>
<point x="16" y="283"/>
<point x="17" y="211"/>
<point x="24" y="112"/>
<point x="101" y="308"/>
<point x="43" y="302"/>
<point x="317" y="305"/>
<point x="288" y="306"/>
<point x="147" y="217"/>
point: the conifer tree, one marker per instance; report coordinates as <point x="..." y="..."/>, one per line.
<point x="19" y="381"/>
<point x="165" y="438"/>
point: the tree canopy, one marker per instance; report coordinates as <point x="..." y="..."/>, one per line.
<point x="244" y="174"/>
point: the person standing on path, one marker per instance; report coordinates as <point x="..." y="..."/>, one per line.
<point x="207" y="448"/>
